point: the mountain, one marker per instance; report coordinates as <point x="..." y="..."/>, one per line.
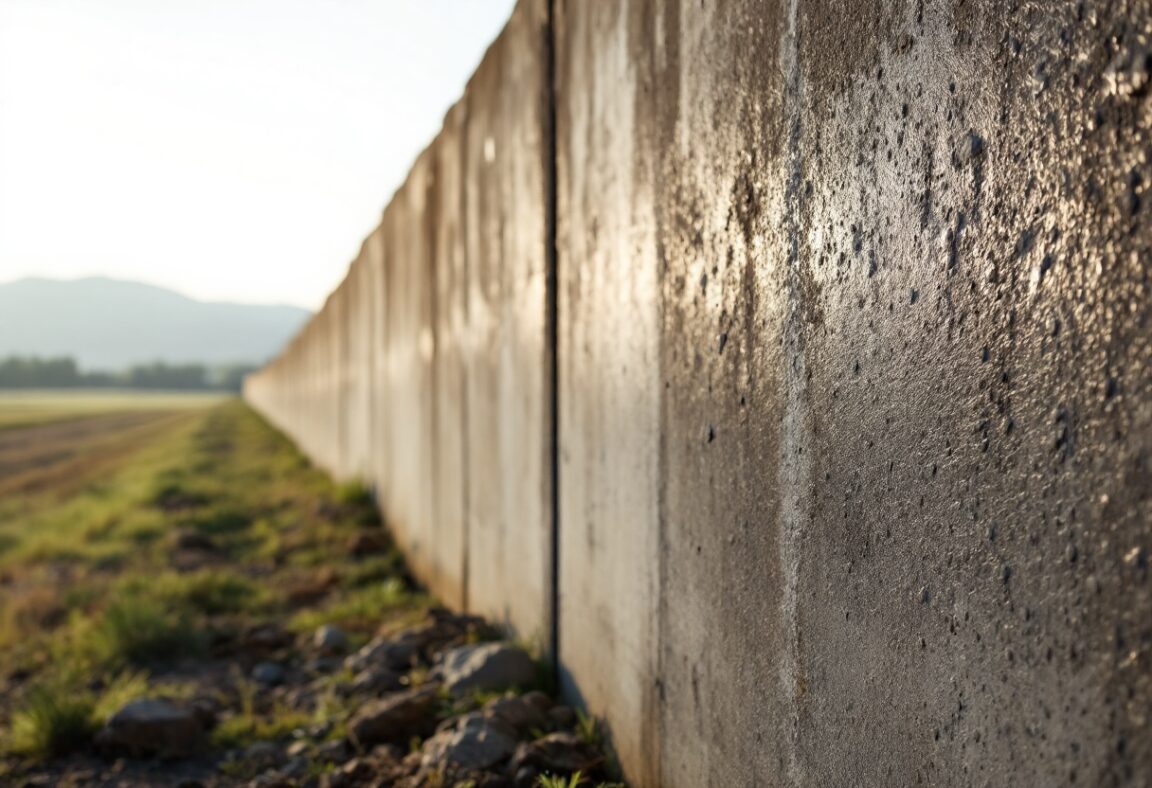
<point x="108" y="324"/>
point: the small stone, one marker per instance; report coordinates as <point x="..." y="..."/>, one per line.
<point x="562" y="716"/>
<point x="399" y="656"/>
<point x="526" y="777"/>
<point x="330" y="639"/>
<point x="295" y="767"/>
<point x="333" y="752"/>
<point x="152" y="727"/>
<point x="325" y="665"/>
<point x="557" y="753"/>
<point x="268" y="673"/>
<point x="487" y="667"/>
<point x="297" y="748"/>
<point x="265" y="753"/>
<point x="524" y="713"/>
<point x="477" y="742"/>
<point x="395" y="719"/>
<point x="375" y="681"/>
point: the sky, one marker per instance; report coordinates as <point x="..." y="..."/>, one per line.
<point x="235" y="150"/>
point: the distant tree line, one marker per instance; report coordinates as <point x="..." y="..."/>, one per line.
<point x="17" y="372"/>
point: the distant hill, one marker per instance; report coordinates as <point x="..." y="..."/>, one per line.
<point x="107" y="324"/>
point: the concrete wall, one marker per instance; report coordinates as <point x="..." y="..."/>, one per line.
<point x="850" y="340"/>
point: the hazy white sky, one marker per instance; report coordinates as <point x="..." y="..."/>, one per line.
<point x="231" y="149"/>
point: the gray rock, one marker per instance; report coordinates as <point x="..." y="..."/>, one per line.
<point x="562" y="716"/>
<point x="395" y="719"/>
<point x="399" y="656"/>
<point x="264" y="753"/>
<point x="268" y="673"/>
<point x="333" y="752"/>
<point x="330" y="639"/>
<point x="152" y="727"/>
<point x="325" y="665"/>
<point x="558" y="753"/>
<point x="476" y="742"/>
<point x="486" y="667"/>
<point x="376" y="680"/>
<point x="525" y="713"/>
<point x="295" y="767"/>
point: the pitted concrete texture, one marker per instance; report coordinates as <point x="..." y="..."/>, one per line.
<point x="853" y="343"/>
<point x="902" y="515"/>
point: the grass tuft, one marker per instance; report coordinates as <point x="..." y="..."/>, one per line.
<point x="141" y="632"/>
<point x="54" y="721"/>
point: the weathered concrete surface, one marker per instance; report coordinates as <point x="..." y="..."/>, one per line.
<point x="976" y="253"/>
<point x="609" y="377"/>
<point x="449" y="576"/>
<point x="904" y="270"/>
<point x="409" y="264"/>
<point x="509" y="399"/>
<point x="854" y="381"/>
<point x="358" y="371"/>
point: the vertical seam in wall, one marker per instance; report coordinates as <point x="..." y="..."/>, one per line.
<point x="551" y="323"/>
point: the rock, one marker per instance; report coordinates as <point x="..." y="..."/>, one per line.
<point x="388" y="752"/>
<point x="325" y="665"/>
<point x="152" y="727"/>
<point x="298" y="748"/>
<point x="330" y="639"/>
<point x="268" y="673"/>
<point x="356" y="772"/>
<point x="263" y="753"/>
<point x="400" y="656"/>
<point x="295" y="767"/>
<point x="395" y="719"/>
<point x="477" y="742"/>
<point x="374" y="681"/>
<point x="562" y="716"/>
<point x="486" y="667"/>
<point x="526" y="777"/>
<point x="525" y="713"/>
<point x="333" y="752"/>
<point x="558" y="753"/>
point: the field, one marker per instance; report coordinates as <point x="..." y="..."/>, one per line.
<point x="137" y="532"/>
<point x="180" y="550"/>
<point x="20" y="408"/>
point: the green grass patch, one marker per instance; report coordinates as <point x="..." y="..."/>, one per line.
<point x="360" y="609"/>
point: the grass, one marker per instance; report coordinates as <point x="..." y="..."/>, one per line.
<point x="139" y="631"/>
<point x="57" y="719"/>
<point x="162" y="532"/>
<point x="53" y="723"/>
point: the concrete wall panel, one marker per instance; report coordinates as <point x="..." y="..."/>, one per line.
<point x="980" y="323"/>
<point x="508" y="379"/>
<point x="448" y="572"/>
<point x="609" y="377"/>
<point x="411" y="350"/>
